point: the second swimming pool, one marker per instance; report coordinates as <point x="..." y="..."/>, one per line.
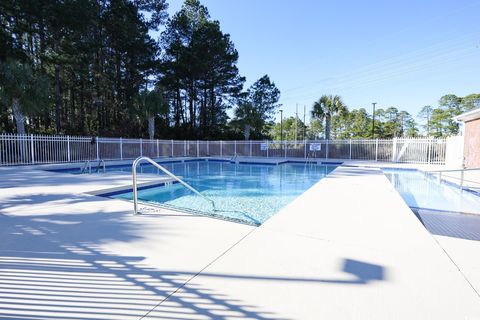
<point x="423" y="191"/>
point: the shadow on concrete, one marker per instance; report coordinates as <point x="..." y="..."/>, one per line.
<point x="360" y="273"/>
<point x="54" y="267"/>
<point x="24" y="200"/>
<point x="18" y="178"/>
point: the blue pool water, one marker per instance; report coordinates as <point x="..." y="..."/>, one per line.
<point x="423" y="191"/>
<point x="247" y="193"/>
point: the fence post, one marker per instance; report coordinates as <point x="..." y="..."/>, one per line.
<point x="376" y="149"/>
<point x="305" y="149"/>
<point x="208" y="148"/>
<point x="267" y="148"/>
<point x="394" y="150"/>
<point x="32" y="149"/>
<point x="285" y="147"/>
<point x="141" y="147"/>
<point x="326" y="149"/>
<point x="121" y="149"/>
<point x="158" y="149"/>
<point x="234" y="147"/>
<point x="184" y="148"/>
<point x="350" y="149"/>
<point x="198" y="149"/>
<point x="430" y="150"/>
<point x="68" y="148"/>
<point x="221" y="147"/>
<point x="250" y="148"/>
<point x="98" y="151"/>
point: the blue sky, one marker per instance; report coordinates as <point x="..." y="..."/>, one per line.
<point x="405" y="54"/>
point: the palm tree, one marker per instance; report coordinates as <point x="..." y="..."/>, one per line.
<point x="247" y="117"/>
<point x="325" y="108"/>
<point x="151" y="104"/>
<point x="25" y="92"/>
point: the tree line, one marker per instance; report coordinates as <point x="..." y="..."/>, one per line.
<point x="91" y="59"/>
<point x="89" y="67"/>
<point x="332" y="119"/>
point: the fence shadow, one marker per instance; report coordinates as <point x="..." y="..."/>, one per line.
<point x="19" y="177"/>
<point x="54" y="267"/>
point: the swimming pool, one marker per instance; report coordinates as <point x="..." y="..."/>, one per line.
<point x="424" y="191"/>
<point x="248" y="193"/>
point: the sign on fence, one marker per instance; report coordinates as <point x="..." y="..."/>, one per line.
<point x="315" y="147"/>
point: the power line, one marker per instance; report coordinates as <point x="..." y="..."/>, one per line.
<point x="450" y="14"/>
<point x="380" y="77"/>
<point x="413" y="58"/>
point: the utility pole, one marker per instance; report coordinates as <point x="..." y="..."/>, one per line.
<point x="373" y="120"/>
<point x="304" y="122"/>
<point x="428" y="123"/>
<point x="296" y="123"/>
<point x="281" y="125"/>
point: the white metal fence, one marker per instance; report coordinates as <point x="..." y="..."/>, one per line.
<point x="36" y="149"/>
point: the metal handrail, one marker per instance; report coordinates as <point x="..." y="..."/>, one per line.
<point x="168" y="173"/>
<point x="307" y="158"/>
<point x="87" y="163"/>
<point x="452" y="170"/>
<point x="234" y="157"/>
<point x="462" y="173"/>
<point x="101" y="163"/>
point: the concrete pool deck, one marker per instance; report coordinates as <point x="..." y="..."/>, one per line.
<point x="336" y="252"/>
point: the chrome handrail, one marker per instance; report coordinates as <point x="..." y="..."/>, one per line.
<point x="311" y="158"/>
<point x="233" y="158"/>
<point x="168" y="173"/>
<point x="101" y="163"/>
<point x="87" y="163"/>
<point x="462" y="173"/>
<point x="452" y="170"/>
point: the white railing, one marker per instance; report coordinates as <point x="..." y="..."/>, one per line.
<point x="36" y="149"/>
<point x="462" y="172"/>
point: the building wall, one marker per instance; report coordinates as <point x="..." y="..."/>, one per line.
<point x="472" y="144"/>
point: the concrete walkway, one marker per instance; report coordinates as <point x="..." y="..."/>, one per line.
<point x="459" y="236"/>
<point x="348" y="248"/>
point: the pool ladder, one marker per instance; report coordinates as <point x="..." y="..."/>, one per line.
<point x="310" y="160"/>
<point x="88" y="165"/>
<point x="101" y="163"/>
<point x="168" y="173"/>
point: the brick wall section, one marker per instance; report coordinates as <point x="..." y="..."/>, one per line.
<point x="472" y="144"/>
